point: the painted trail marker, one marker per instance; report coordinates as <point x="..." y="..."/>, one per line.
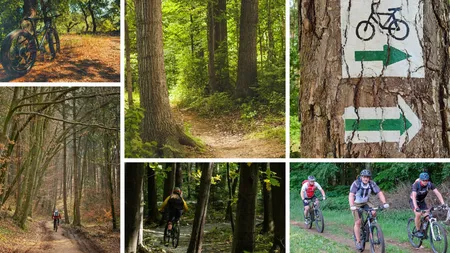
<point x="381" y="124"/>
<point x="382" y="38"/>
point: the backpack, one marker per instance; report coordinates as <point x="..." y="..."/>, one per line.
<point x="56" y="214"/>
<point x="308" y="190"/>
<point x="176" y="202"/>
<point x="359" y="183"/>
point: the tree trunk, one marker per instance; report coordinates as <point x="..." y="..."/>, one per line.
<point x="108" y="163"/>
<point x="91" y="11"/>
<point x="327" y="94"/>
<point x="195" y="244"/>
<point x="152" y="195"/>
<point x="246" y="76"/>
<point x="66" y="213"/>
<point x="76" y="173"/>
<point x="244" y="234"/>
<point x="278" y="207"/>
<point x="85" y="15"/>
<point x="229" y="212"/>
<point x="128" y="75"/>
<point x="158" y="124"/>
<point x="134" y="174"/>
<point x="267" y="202"/>
<point x="169" y="180"/>
<point x="179" y="176"/>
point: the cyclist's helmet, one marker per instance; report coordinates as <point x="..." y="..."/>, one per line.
<point x="424" y="176"/>
<point x="177" y="190"/>
<point x="366" y="173"/>
<point x="311" y="178"/>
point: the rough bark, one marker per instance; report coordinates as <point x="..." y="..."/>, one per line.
<point x="76" y="173"/>
<point x="152" y="197"/>
<point x="158" y="124"/>
<point x="128" y="74"/>
<point x="246" y="76"/>
<point x="66" y="213"/>
<point x="195" y="244"/>
<point x="324" y="93"/>
<point x="278" y="207"/>
<point x="134" y="174"/>
<point x="244" y="233"/>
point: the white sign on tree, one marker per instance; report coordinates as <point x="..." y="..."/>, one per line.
<point x="382" y="38"/>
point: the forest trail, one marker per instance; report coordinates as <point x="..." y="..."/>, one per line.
<point x="224" y="141"/>
<point x="185" y="236"/>
<point x="348" y="241"/>
<point x="64" y="240"/>
<point x="83" y="58"/>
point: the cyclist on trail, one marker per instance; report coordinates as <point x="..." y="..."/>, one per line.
<point x="358" y="197"/>
<point x="56" y="216"/>
<point x="176" y="205"/>
<point x="307" y="194"/>
<point x="419" y="191"/>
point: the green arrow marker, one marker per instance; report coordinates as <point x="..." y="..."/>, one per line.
<point x="401" y="124"/>
<point x="388" y="56"/>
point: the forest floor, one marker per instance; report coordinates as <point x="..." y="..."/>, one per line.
<point x="226" y="137"/>
<point x="345" y="238"/>
<point x="83" y="58"/>
<point x="40" y="237"/>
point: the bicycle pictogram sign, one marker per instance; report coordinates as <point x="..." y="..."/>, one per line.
<point x="397" y="28"/>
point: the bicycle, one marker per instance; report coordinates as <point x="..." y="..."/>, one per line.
<point x="370" y="230"/>
<point x="19" y="48"/>
<point x="315" y="215"/>
<point x="430" y="226"/>
<point x="393" y="25"/>
<point x="173" y="234"/>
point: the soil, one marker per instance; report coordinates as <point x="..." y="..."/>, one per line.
<point x="83" y="58"/>
<point x="348" y="241"/>
<point x="225" y="138"/>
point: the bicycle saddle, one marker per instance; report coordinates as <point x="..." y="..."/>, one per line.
<point x="395" y="9"/>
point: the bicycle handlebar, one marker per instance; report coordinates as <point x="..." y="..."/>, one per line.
<point x="434" y="208"/>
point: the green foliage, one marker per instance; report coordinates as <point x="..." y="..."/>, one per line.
<point x="134" y="146"/>
<point x="270" y="178"/>
<point x="294" y="131"/>
<point x="322" y="171"/>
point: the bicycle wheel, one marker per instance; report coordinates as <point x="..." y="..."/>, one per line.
<point x="438" y="238"/>
<point x="365" y="30"/>
<point x="18" y="52"/>
<point x="376" y="239"/>
<point x="175" y="235"/>
<point x="320" y="225"/>
<point x="361" y="238"/>
<point x="166" y="235"/>
<point x="413" y="239"/>
<point x="51" y="44"/>
<point x="398" y="29"/>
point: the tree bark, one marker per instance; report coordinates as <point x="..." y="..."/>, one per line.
<point x="169" y="180"/>
<point x="244" y="234"/>
<point x="108" y="163"/>
<point x="195" y="244"/>
<point x="91" y="11"/>
<point x="128" y="75"/>
<point x="267" y="202"/>
<point x="229" y="212"/>
<point x="134" y="174"/>
<point x="158" y="124"/>
<point x="278" y="207"/>
<point x="85" y="15"/>
<point x="76" y="172"/>
<point x="324" y="93"/>
<point x="179" y="175"/>
<point x="247" y="69"/>
<point x="66" y="213"/>
<point x="152" y="196"/>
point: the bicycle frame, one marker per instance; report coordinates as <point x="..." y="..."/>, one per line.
<point x="46" y="27"/>
<point x="378" y="21"/>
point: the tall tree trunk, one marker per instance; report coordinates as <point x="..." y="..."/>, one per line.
<point x="92" y="12"/>
<point x="128" y="75"/>
<point x="244" y="234"/>
<point x="85" y="15"/>
<point x="152" y="195"/>
<point x="229" y="212"/>
<point x="108" y="164"/>
<point x="195" y="244"/>
<point x="169" y="180"/>
<point x="179" y="175"/>
<point x="278" y="207"/>
<point x="158" y="124"/>
<point x="246" y="76"/>
<point x="134" y="175"/>
<point x="267" y="202"/>
<point x="66" y="211"/>
<point x="76" y="172"/>
<point x="327" y="94"/>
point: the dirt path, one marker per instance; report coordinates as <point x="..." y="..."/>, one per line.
<point x="222" y="141"/>
<point x="348" y="241"/>
<point x="83" y="58"/>
<point x="64" y="240"/>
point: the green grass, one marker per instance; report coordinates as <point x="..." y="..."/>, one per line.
<point x="303" y="241"/>
<point x="269" y="132"/>
<point x="295" y="126"/>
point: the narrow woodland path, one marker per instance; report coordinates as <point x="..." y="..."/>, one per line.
<point x="83" y="58"/>
<point x="348" y="241"/>
<point x="157" y="234"/>
<point x="224" y="140"/>
<point x="64" y="241"/>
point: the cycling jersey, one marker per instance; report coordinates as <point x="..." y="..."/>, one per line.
<point x="422" y="191"/>
<point x="309" y="189"/>
<point x="362" y="191"/>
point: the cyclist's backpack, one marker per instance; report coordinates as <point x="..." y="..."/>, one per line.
<point x="56" y="214"/>
<point x="309" y="191"/>
<point x="176" y="202"/>
<point x="359" y="183"/>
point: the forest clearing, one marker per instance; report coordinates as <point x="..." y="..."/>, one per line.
<point x="394" y="179"/>
<point x="60" y="164"/>
<point x="225" y="207"/>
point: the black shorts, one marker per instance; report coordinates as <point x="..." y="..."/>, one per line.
<point x="313" y="198"/>
<point x="421" y="204"/>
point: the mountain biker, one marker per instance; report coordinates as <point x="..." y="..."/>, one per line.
<point x="307" y="195"/>
<point x="419" y="191"/>
<point x="176" y="205"/>
<point x="358" y="197"/>
<point x="56" y="216"/>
